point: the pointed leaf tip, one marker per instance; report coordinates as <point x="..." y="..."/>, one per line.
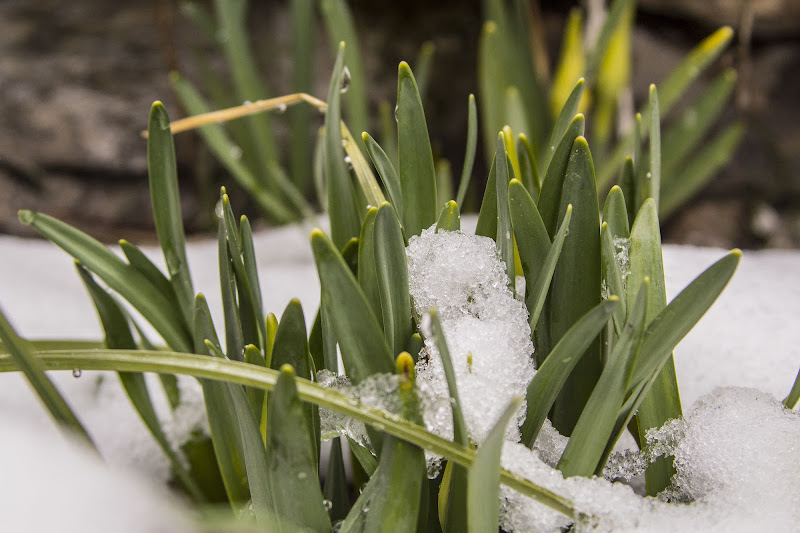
<point x="26" y="216"/>
<point x="287" y="369"/>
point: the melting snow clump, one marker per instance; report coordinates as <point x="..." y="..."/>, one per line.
<point x="378" y="390"/>
<point x="485" y="327"/>
<point x="737" y="465"/>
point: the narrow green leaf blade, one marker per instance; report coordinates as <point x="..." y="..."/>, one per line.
<point x="386" y="171"/>
<point x="663" y="402"/>
<point x="596" y="424"/>
<point x="483" y="493"/>
<point x="555" y="174"/>
<point x="469" y="153"/>
<point x="503" y="238"/>
<point x="527" y="167"/>
<point x="165" y="316"/>
<point x="552" y="374"/>
<point x="531" y="236"/>
<point x="417" y="173"/>
<point x="336" y="490"/>
<point x="392" y="277"/>
<point x="575" y="288"/>
<point x="23" y="356"/>
<point x="363" y="456"/>
<point x="341" y="205"/>
<point x="118" y="336"/>
<point x="538" y="294"/>
<point x="701" y="168"/>
<point x="339" y="22"/>
<point x="565" y="118"/>
<point x="165" y="199"/>
<point x="367" y="274"/>
<point x="487" y="216"/>
<point x="292" y="460"/>
<point x="364" y="349"/>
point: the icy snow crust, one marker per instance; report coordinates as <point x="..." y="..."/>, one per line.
<point x="485" y="327"/>
<point x="738" y="465"/>
<point x="737" y="450"/>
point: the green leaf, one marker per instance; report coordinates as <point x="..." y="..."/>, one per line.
<point x="336" y="490"/>
<point x="531" y="236"/>
<point x="693" y="65"/>
<point x="232" y="38"/>
<point x="423" y="65"/>
<point x="234" y="341"/>
<point x="255" y="397"/>
<point x="292" y="459"/>
<point x="392" y="495"/>
<point x="341" y="205"/>
<point x="444" y="179"/>
<point x="484" y="476"/>
<point x="575" y="288"/>
<point x="165" y="199"/>
<point x="663" y="402"/>
<point x="257" y="463"/>
<point x="565" y="119"/>
<point x="680" y="316"/>
<point x="539" y="289"/>
<point x="164" y="314"/>
<point x="627" y="184"/>
<point x="694" y="123"/>
<point x="417" y="173"/>
<point x="449" y="218"/>
<point x="222" y="413"/>
<point x="364" y="456"/>
<point x="553" y="372"/>
<point x="118" y="335"/>
<point x="291" y="348"/>
<point x="367" y="184"/>
<point x="469" y="153"/>
<point x="527" y="167"/>
<point x="302" y="31"/>
<point x="514" y="120"/>
<point x="653" y="176"/>
<point x="503" y="238"/>
<point x="386" y="171"/>
<point x="590" y="437"/>
<point x="392" y="278"/>
<point x="339" y="23"/>
<point x="251" y="273"/>
<point x="487" y="216"/>
<point x="616" y="15"/>
<point x="698" y="172"/>
<point x="226" y="151"/>
<point x="142" y="263"/>
<point x="364" y="349"/>
<point x="455" y="505"/>
<point x="24" y="358"/>
<point x="615" y="213"/>
<point x="415" y="345"/>
<point x="492" y="83"/>
<point x="248" y="375"/>
<point x="612" y="277"/>
<point x="555" y="174"/>
<point x="794" y="395"/>
<point x="366" y="274"/>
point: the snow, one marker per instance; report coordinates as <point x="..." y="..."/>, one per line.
<point x="737" y="460"/>
<point x="80" y="493"/>
<point x="747" y="339"/>
<point x="485" y="327"/>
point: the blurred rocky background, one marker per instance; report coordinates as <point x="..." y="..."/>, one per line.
<point x="77" y="80"/>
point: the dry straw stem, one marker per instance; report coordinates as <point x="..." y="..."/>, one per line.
<point x="250" y="108"/>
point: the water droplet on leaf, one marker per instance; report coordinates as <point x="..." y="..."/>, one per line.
<point x="76" y="373"/>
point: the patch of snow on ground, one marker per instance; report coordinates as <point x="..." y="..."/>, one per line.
<point x="50" y="483"/>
